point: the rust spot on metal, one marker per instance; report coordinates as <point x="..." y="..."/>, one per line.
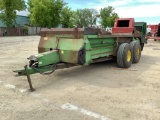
<point x="116" y="35"/>
<point x="92" y="31"/>
<point x="72" y="56"/>
<point x="76" y="32"/>
<point x="124" y="39"/>
<point x="45" y="38"/>
<point x="55" y="34"/>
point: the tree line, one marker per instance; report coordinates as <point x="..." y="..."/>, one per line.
<point x="51" y="13"/>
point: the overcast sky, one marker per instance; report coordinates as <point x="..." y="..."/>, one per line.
<point x="142" y="10"/>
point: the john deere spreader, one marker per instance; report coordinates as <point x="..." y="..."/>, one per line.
<point x="67" y="47"/>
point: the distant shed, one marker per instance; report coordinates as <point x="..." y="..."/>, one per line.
<point x="19" y="22"/>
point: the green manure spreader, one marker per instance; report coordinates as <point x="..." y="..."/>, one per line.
<point x="66" y="47"/>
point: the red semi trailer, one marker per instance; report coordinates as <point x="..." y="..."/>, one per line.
<point x="156" y="35"/>
<point x="153" y="28"/>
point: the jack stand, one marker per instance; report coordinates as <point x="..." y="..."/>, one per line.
<point x="29" y="79"/>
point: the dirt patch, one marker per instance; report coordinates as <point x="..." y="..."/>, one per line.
<point x="117" y="94"/>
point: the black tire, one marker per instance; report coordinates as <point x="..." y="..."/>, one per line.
<point x="136" y="50"/>
<point x="124" y="56"/>
<point x="81" y="56"/>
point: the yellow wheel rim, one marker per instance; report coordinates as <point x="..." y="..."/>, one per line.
<point x="137" y="52"/>
<point x="128" y="56"/>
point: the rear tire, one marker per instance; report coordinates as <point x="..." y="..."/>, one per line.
<point x="136" y="50"/>
<point x="124" y="56"/>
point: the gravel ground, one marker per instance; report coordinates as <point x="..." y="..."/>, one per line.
<point x="98" y="91"/>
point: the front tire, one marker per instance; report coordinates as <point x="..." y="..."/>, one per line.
<point x="124" y="56"/>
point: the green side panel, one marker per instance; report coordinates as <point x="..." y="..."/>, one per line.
<point x="50" y="42"/>
<point x="88" y="51"/>
<point x="102" y="52"/>
<point x="98" y="47"/>
<point x="101" y="47"/>
<point x="70" y="44"/>
<point x="101" y="42"/>
<point x="88" y="58"/>
<point x="47" y="58"/>
<point x="87" y="44"/>
<point x="69" y="48"/>
<point x="68" y="56"/>
<point x="92" y="36"/>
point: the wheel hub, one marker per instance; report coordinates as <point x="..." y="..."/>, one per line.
<point x="128" y="56"/>
<point x="137" y="52"/>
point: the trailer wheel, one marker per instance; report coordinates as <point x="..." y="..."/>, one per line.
<point x="136" y="50"/>
<point x="124" y="56"/>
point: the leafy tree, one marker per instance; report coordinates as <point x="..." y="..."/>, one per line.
<point x="45" y="13"/>
<point x="94" y="17"/>
<point x="8" y="10"/>
<point x="67" y="18"/>
<point x="86" y="17"/>
<point x="108" y="16"/>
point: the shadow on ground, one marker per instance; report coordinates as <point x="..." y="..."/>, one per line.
<point x="104" y="74"/>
